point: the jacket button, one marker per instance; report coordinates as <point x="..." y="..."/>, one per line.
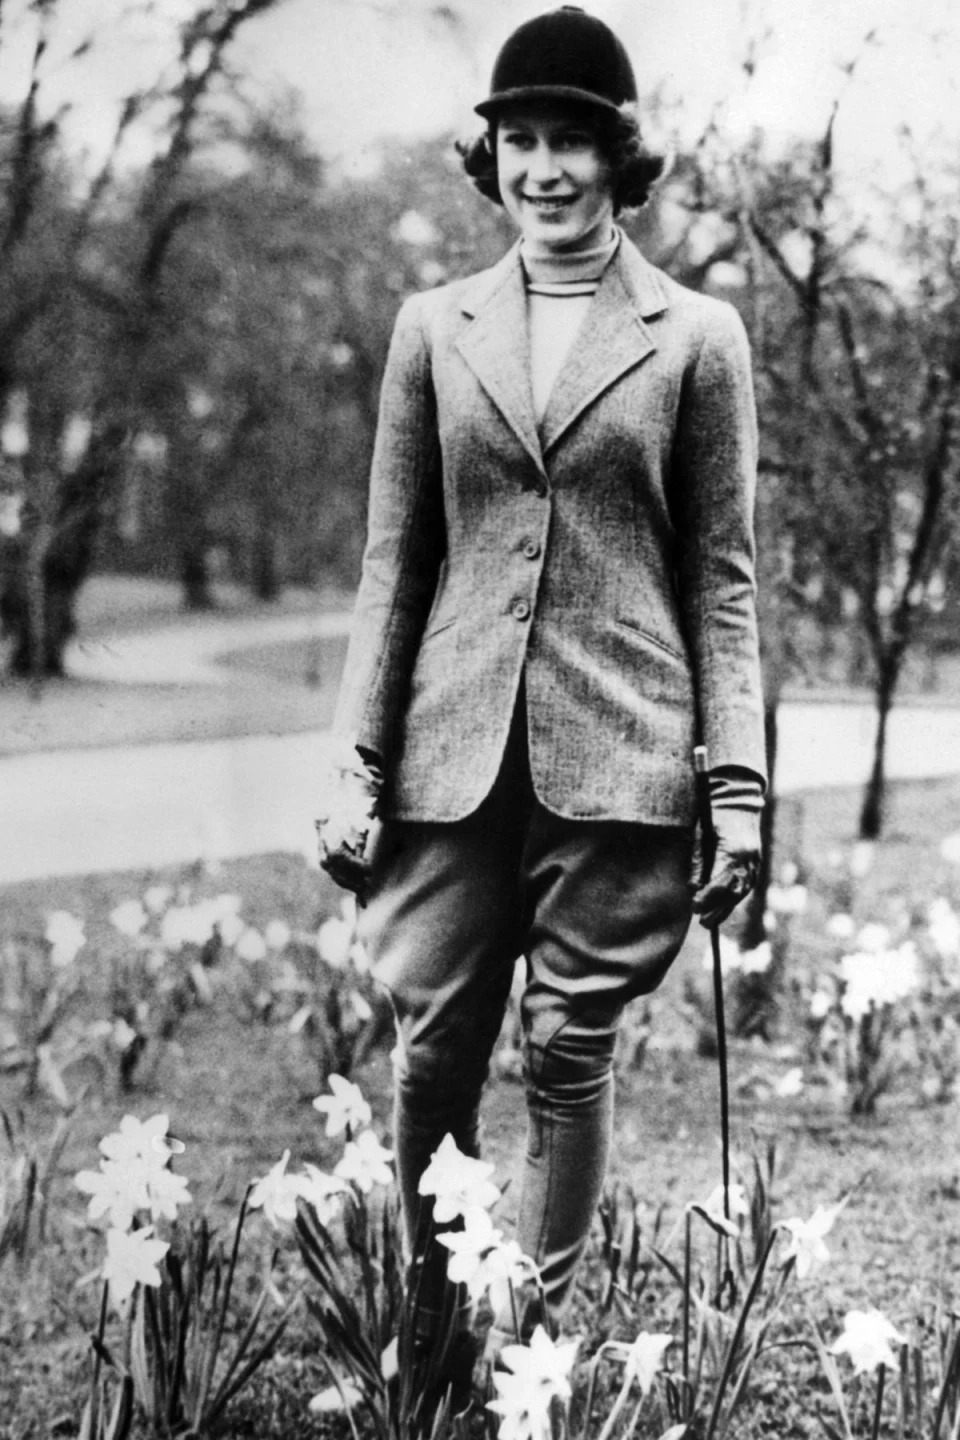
<point x="531" y="549"/>
<point x="521" y="610"/>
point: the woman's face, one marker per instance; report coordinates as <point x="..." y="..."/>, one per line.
<point x="554" y="180"/>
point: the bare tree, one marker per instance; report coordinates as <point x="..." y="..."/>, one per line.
<point x="100" y="297"/>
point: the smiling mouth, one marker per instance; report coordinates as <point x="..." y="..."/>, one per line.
<point x="550" y="202"/>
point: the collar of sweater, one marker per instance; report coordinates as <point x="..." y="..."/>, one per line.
<point x="569" y="266"/>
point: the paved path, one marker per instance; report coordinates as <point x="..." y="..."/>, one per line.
<point x="180" y="654"/>
<point x="138" y="807"/>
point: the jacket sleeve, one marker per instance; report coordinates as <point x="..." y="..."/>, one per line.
<point x="716" y="466"/>
<point x="405" y="545"/>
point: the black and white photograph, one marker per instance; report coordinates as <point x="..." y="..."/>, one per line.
<point x="479" y="720"/>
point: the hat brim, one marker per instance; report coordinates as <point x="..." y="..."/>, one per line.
<point x="503" y="98"/>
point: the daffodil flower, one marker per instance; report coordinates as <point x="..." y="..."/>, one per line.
<point x="469" y="1248"/>
<point x="535" y="1375"/>
<point x="250" y="946"/>
<point x="65" y="936"/>
<point x="116" y="1191"/>
<point x="645" y="1357"/>
<point x="322" y="1191"/>
<point x="787" y="899"/>
<point x="132" y="1260"/>
<point x="345" y="1108"/>
<point x="276" y="1194"/>
<point x="134" y="1175"/>
<point x="336" y="1399"/>
<point x="157" y="897"/>
<point x="731" y="956"/>
<point x="504" y="1270"/>
<point x="458" y="1182"/>
<point x="336" y="936"/>
<point x="134" y="1141"/>
<point x="790" y="1084"/>
<point x="365" y="1162"/>
<point x="121" y="1190"/>
<point x="867" y="1337"/>
<point x="129" y="918"/>
<point x="277" y="935"/>
<point x="807" y="1246"/>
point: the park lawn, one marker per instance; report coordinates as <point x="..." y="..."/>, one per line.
<point x="264" y="690"/>
<point x="238" y="1093"/>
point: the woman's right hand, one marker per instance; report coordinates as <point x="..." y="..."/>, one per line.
<point x="343" y="830"/>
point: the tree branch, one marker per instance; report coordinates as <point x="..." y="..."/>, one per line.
<point x="866" y="412"/>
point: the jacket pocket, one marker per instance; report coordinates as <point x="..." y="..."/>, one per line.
<point x="437" y="627"/>
<point x="654" y="640"/>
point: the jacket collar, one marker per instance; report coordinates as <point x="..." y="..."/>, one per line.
<point x="614" y="338"/>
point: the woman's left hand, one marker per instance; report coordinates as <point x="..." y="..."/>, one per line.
<point x="736" y="864"/>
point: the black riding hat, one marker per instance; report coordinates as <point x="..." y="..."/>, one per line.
<point x="563" y="55"/>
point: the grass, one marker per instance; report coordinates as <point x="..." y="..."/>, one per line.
<point x="238" y="1093"/>
<point x="266" y="690"/>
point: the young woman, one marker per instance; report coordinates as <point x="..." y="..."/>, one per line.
<point x="557" y="603"/>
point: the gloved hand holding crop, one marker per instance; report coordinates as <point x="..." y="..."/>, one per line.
<point x="353" y="789"/>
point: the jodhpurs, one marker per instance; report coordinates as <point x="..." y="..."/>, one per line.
<point x="599" y="909"/>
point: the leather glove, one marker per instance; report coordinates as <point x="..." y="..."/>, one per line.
<point x="353" y="789"/>
<point x="736" y="862"/>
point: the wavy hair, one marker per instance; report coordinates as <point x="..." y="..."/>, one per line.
<point x="635" y="168"/>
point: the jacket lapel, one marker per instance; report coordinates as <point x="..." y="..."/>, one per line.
<point x="497" y="349"/>
<point x="613" y="340"/>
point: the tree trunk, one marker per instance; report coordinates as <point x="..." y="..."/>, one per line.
<point x="872" y="811"/>
<point x="266" y="577"/>
<point x="755" y="907"/>
<point x="39" y="594"/>
<point x="195" y="575"/>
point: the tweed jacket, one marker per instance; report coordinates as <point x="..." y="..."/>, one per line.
<point x="605" y="555"/>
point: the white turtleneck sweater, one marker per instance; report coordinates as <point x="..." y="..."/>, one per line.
<point x="559" y="290"/>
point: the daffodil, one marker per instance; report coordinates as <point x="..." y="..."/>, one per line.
<point x="807" y="1246"/>
<point x="185" y="925"/>
<point x="365" y="1162"/>
<point x="250" y="946"/>
<point x="322" y="1191"/>
<point x="758" y="960"/>
<point x="134" y="1176"/>
<point x="276" y="1194"/>
<point x="787" y="899"/>
<point x="277" y="935"/>
<point x="731" y="957"/>
<point x="535" y="1376"/>
<point x="336" y="1399"/>
<point x="132" y="1260"/>
<point x="645" y="1357"/>
<point x="129" y="918"/>
<point x="867" y="1338"/>
<point x="469" y="1248"/>
<point x="712" y="1209"/>
<point x="337" y="935"/>
<point x="65" y="936"/>
<point x="345" y="1108"/>
<point x="135" y="1140"/>
<point x="841" y="926"/>
<point x="458" y="1182"/>
<point x="790" y="1084"/>
<point x="156" y="898"/>
<point x="504" y="1270"/>
<point x="821" y="1003"/>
